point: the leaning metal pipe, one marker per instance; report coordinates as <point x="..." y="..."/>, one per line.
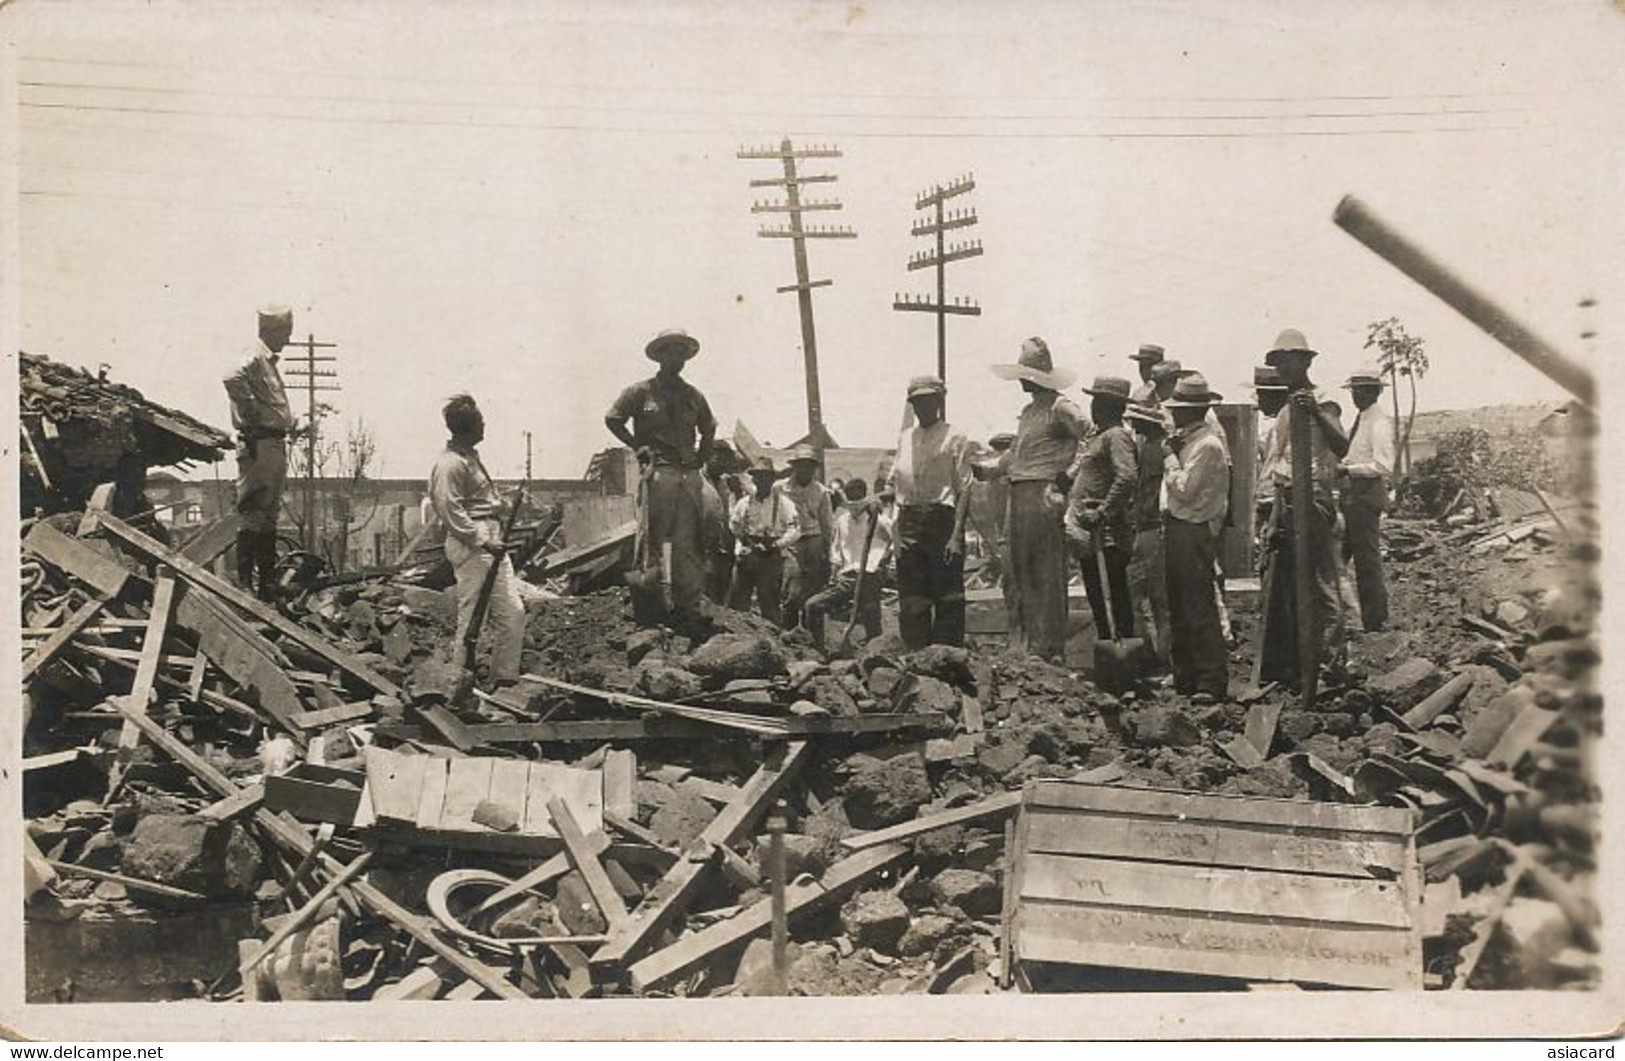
<point x="1355" y="218"/>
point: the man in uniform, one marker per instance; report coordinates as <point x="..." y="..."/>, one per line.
<point x="1364" y="493"/>
<point x="1039" y="467"/>
<point x="1100" y="510"/>
<point x="263" y="420"/>
<point x="672" y="433"/>
<point x="814" y="512"/>
<point x="1195" y="492"/>
<point x="929" y="480"/>
<point x="468" y="507"/>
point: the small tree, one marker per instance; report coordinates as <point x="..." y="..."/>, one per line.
<point x="1400" y="354"/>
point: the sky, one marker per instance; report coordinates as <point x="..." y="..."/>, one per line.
<point x="511" y="199"/>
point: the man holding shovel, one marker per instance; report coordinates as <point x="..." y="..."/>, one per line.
<point x="858" y="553"/>
<point x="672" y="432"/>
<point x="1100" y="511"/>
<point x="1195" y="489"/>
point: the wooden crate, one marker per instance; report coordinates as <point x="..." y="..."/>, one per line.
<point x="1258" y="889"/>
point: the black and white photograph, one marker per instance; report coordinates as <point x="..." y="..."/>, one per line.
<point x="759" y="520"/>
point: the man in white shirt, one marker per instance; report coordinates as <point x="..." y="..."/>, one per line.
<point x="1367" y="468"/>
<point x="261" y="414"/>
<point x="810" y="571"/>
<point x="1195" y="495"/>
<point x="857" y="574"/>
<point x="765" y="529"/>
<point x="929" y="478"/>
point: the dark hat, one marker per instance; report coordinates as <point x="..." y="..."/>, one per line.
<point x="921" y="386"/>
<point x="1147" y="414"/>
<point x="1035" y="364"/>
<point x="1289" y="341"/>
<point x="1268" y="378"/>
<point x="1192" y="392"/>
<point x="802" y="452"/>
<point x="1109" y="387"/>
<point x="1166" y="370"/>
<point x="672" y="337"/>
<point x="1002" y="440"/>
<point x="1365" y="377"/>
<point x="1148" y="352"/>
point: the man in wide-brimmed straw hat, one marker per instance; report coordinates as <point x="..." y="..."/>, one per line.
<point x="263" y="419"/>
<point x="1038" y="467"/>
<point x="1147" y="579"/>
<point x="1291" y="356"/>
<point x="929" y="478"/>
<point x="1100" y="507"/>
<point x="1149" y="356"/>
<point x="1367" y="469"/>
<point x="1196" y="491"/>
<point x="765" y="528"/>
<point x="810" y="571"/>
<point x="672" y="432"/>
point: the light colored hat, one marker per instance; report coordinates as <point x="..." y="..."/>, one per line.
<point x="1191" y="392"/>
<point x="1002" y="440"/>
<point x="802" y="452"/>
<point x="921" y="386"/>
<point x="276" y="311"/>
<point x="1289" y="341"/>
<point x="764" y="466"/>
<point x="1268" y="378"/>
<point x="672" y="337"/>
<point x="1148" y="352"/>
<point x="1109" y="387"/>
<point x="1365" y="377"/>
<point x="1147" y="414"/>
<point x="1166" y="370"/>
<point x="1035" y="364"/>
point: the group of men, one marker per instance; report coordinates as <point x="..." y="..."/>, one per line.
<point x="1137" y="493"/>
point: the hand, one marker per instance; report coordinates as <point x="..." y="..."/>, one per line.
<point x="495" y="548"/>
<point x="1063" y="483"/>
<point x="644" y="456"/>
<point x="1089" y="515"/>
<point x="954" y="550"/>
<point x="1172" y="445"/>
<point x="245" y="452"/>
<point x="1305" y="400"/>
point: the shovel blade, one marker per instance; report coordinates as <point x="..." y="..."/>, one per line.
<point x="1120" y="664"/>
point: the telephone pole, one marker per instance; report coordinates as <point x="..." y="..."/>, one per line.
<point x="798" y="233"/>
<point x="939" y="223"/>
<point x="527" y="456"/>
<point x="303" y="367"/>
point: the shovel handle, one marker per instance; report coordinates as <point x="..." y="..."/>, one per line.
<point x="1105" y="581"/>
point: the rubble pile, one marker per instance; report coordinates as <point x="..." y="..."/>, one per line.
<point x="319" y="803"/>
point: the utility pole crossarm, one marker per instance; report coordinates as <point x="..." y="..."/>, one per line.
<point x="928" y="260"/>
<point x="957" y="309"/>
<point x="786" y="208"/>
<point x="944" y="192"/>
<point x="790" y="182"/>
<point x="931" y="228"/>
<point x="786" y="152"/>
<point x="808" y="286"/>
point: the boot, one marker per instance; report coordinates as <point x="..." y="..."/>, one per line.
<point x="265" y="561"/>
<point x="247" y="549"/>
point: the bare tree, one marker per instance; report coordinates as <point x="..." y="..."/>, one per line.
<point x="1400" y="354"/>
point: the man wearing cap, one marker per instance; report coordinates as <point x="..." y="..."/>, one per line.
<point x="672" y="433"/>
<point x="263" y="419"/>
<point x="1147" y="579"/>
<point x="857" y="574"/>
<point x="765" y="529"/>
<point x="468" y="507"/>
<point x="810" y="571"/>
<point x="1366" y="469"/>
<point x="1100" y="509"/>
<point x="1291" y="356"/>
<point x="929" y="477"/>
<point x="1039" y="468"/>
<point x="1195" y="493"/>
<point x="1149" y="357"/>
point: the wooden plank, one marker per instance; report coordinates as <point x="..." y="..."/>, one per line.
<point x="332" y="716"/>
<point x="106" y="577"/>
<point x="37" y="871"/>
<point x="993" y="806"/>
<point x="63" y="634"/>
<point x="240" y="652"/>
<point x="713" y="791"/>
<point x="1234" y="844"/>
<point x="1259" y="726"/>
<point x="695" y="949"/>
<point x="448" y="726"/>
<point x="671" y="895"/>
<point x="1189" y="942"/>
<point x="1190" y="806"/>
<point x="510" y="781"/>
<point x="312" y="801"/>
<point x="621" y="782"/>
<point x="295" y="839"/>
<point x="393" y="781"/>
<point x="586" y="863"/>
<point x="135" y="884"/>
<point x="737" y="720"/>
<point x="419" y="984"/>
<point x="1439" y="701"/>
<point x="468" y="781"/>
<point x="214" y="540"/>
<point x="547" y="872"/>
<point x="431" y="792"/>
<point x="244" y="802"/>
<point x="1528" y="727"/>
<point x="201" y="577"/>
<point x="655" y="727"/>
<point x="146" y="671"/>
<point x="971" y="714"/>
<point x="1214" y="890"/>
<point x="194" y="678"/>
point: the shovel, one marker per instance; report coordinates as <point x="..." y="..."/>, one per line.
<point x="642" y="582"/>
<point x="845" y="644"/>
<point x="1120" y="661"/>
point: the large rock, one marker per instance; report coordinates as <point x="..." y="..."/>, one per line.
<point x="189" y="852"/>
<point x="439" y="603"/>
<point x="968" y="890"/>
<point x="830" y="693"/>
<point x="1000" y="757"/>
<point x="729" y="656"/>
<point x="661" y="681"/>
<point x="643" y="642"/>
<point x="440" y="680"/>
<point x="875" y="919"/>
<point x="926" y="933"/>
<point x="887" y="792"/>
<point x="577" y="911"/>
<point x="802" y="854"/>
<point x="883" y="683"/>
<point x="398" y="645"/>
<point x="1161" y="726"/>
<point x="936" y="850"/>
<point x="927" y="695"/>
<point x="1404" y="686"/>
<point x="950" y="663"/>
<point x="681" y="819"/>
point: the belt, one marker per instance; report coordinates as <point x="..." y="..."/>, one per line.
<point x="257" y="434"/>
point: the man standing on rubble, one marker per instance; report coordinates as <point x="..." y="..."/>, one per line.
<point x="929" y="477"/>
<point x="1100" y="509"/>
<point x="263" y="419"/>
<point x="1039" y="466"/>
<point x="765" y="529"/>
<point x="672" y="433"/>
<point x="716" y="537"/>
<point x="468" y="506"/>
<point x="857" y="574"/>
<point x="1195" y="493"/>
<point x="814" y="513"/>
<point x="1147" y="575"/>
<point x="1291" y="356"/>
<point x="1365" y="473"/>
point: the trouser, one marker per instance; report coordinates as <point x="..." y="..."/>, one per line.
<point x="672" y="495"/>
<point x="1148" y="586"/>
<point x="504" y="616"/>
<point x="1196" y="645"/>
<point x="759" y="575"/>
<point x="262" y="470"/>
<point x="930" y="584"/>
<point x="847" y="590"/>
<point x="1036" y="576"/>
<point x="1280" y="648"/>
<point x="810" y="574"/>
<point x="1114" y="546"/>
<point x="1363" y="501"/>
<point x="256" y="562"/>
<point x="719" y="573"/>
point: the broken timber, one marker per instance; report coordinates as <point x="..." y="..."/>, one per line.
<point x="992" y="807"/>
<point x="70" y="628"/>
<point x="660" y="727"/>
<point x="585" y="861"/>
